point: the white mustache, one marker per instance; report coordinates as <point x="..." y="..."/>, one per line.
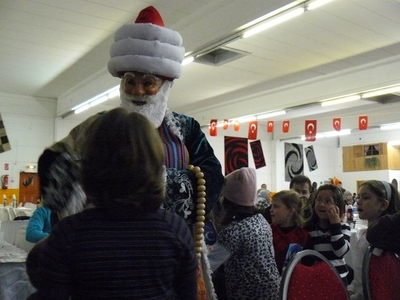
<point x="134" y="98"/>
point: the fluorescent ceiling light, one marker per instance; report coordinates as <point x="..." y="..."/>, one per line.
<point x="383" y="91"/>
<point x="273" y="21"/>
<point x="222" y="123"/>
<point x="317" y="136"/>
<point x="110" y="93"/>
<point x="337" y="133"/>
<point x="187" y="60"/>
<point x="317" y="3"/>
<point x="98" y="101"/>
<point x="246" y="119"/>
<point x="82" y="108"/>
<point x="390" y="126"/>
<point x="341" y="100"/>
<point x="329" y="134"/>
<point x="271" y="114"/>
<point x="114" y="94"/>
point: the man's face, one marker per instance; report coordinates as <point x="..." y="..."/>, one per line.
<point x="139" y="84"/>
<point x="145" y="94"/>
<point x="303" y="189"/>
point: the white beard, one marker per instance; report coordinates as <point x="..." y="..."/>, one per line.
<point x="155" y="107"/>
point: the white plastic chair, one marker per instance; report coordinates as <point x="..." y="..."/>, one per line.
<point x="4" y="216"/>
<point x="11" y="213"/>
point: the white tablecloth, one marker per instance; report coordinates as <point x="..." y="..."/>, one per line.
<point x="23" y="211"/>
<point x="9" y="213"/>
<point x="14" y="281"/>
<point x="14" y="233"/>
<point x="354" y="236"/>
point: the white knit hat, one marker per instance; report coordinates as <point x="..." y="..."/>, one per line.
<point x="240" y="186"/>
<point x="147" y="47"/>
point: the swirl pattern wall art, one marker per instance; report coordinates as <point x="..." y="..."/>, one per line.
<point x="236" y="154"/>
<point x="293" y="160"/>
<point x="258" y="154"/>
<point x="311" y="159"/>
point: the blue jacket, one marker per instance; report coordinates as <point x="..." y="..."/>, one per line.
<point x="39" y="225"/>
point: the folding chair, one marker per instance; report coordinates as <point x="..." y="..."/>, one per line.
<point x="381" y="274"/>
<point x="320" y="280"/>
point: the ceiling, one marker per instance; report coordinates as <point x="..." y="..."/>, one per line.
<point x="53" y="48"/>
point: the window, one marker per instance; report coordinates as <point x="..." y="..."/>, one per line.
<point x="372" y="150"/>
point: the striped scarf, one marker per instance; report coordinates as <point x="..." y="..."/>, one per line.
<point x="175" y="150"/>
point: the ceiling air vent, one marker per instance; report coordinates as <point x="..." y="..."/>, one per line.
<point x="220" y="56"/>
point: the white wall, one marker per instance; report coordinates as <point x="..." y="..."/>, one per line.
<point x="328" y="153"/>
<point x="29" y="124"/>
<point x="273" y="174"/>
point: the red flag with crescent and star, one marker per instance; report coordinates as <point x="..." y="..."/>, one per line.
<point x="270" y="126"/>
<point x="236" y="125"/>
<point x="285" y="126"/>
<point x="226" y="124"/>
<point x="213" y="127"/>
<point x="362" y="122"/>
<point x="253" y="126"/>
<point x="337" y="124"/>
<point x="311" y="130"/>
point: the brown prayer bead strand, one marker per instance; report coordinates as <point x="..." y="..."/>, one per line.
<point x="200" y="210"/>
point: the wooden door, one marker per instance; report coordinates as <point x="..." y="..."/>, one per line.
<point x="29" y="188"/>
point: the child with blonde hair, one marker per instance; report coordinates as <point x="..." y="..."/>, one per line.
<point x="287" y="222"/>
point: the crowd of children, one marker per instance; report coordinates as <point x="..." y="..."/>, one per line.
<point x="306" y="216"/>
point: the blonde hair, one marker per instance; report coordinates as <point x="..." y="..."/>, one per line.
<point x="291" y="200"/>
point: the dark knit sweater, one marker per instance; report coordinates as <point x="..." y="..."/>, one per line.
<point x="97" y="254"/>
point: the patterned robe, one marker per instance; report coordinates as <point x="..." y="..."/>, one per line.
<point x="184" y="144"/>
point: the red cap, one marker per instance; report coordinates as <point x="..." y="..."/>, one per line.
<point x="150" y="15"/>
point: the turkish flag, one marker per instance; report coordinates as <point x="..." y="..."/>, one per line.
<point x="236" y="125"/>
<point x="311" y="130"/>
<point x="213" y="127"/>
<point x="270" y="126"/>
<point x="337" y="124"/>
<point x="253" y="125"/>
<point x="285" y="126"/>
<point x="362" y="122"/>
<point x="226" y="124"/>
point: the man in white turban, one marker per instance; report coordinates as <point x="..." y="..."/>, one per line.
<point x="147" y="57"/>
